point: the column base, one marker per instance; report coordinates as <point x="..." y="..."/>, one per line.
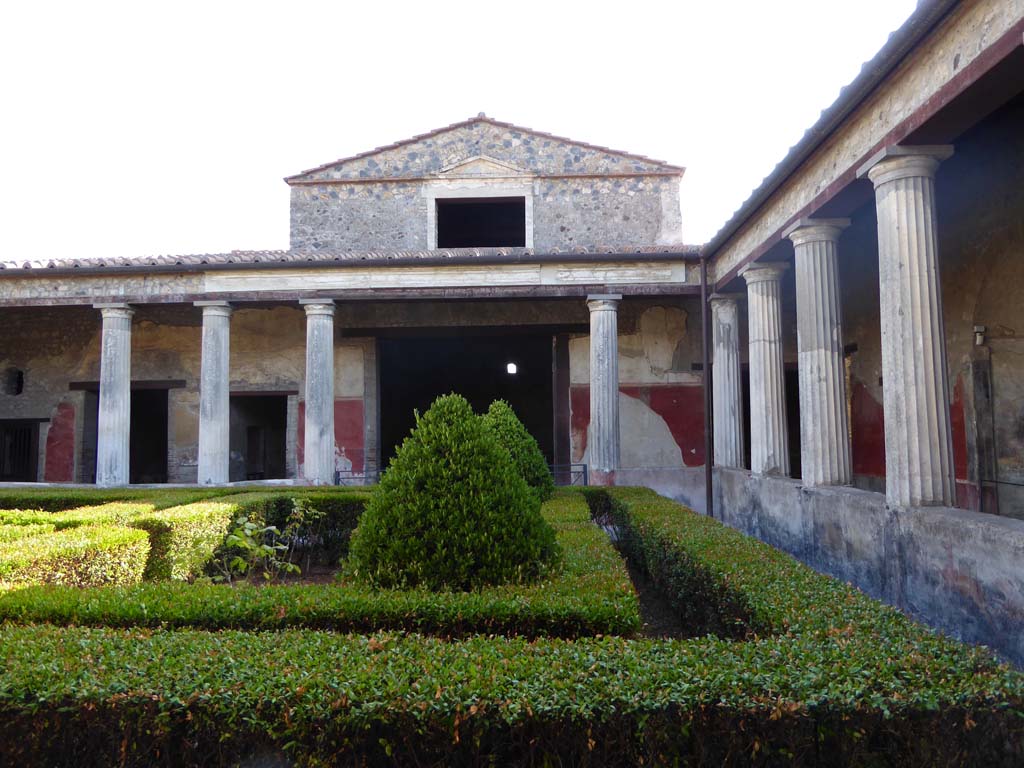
<point x="601" y="477"/>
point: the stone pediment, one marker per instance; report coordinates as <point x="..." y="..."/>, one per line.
<point x="482" y="166"/>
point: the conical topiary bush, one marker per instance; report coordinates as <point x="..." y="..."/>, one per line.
<point x="451" y="512"/>
<point x="526" y="455"/>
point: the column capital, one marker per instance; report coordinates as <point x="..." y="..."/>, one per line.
<point x="808" y="230"/>
<point x="318" y="306"/>
<point x="114" y="309"/>
<point x="904" y="161"/>
<point x="762" y="272"/>
<point x="604" y="301"/>
<point x="726" y="298"/>
<point x="216" y="308"/>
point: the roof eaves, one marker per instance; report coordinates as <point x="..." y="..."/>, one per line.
<point x="900" y="43"/>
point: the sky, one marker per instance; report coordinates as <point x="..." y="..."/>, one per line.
<point x="133" y="129"/>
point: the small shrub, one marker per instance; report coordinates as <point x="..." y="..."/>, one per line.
<point x="85" y="556"/>
<point x="521" y="445"/>
<point x="250" y="548"/>
<point x="451" y="511"/>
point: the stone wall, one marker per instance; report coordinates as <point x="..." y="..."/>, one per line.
<point x="956" y="570"/>
<point x="384" y="201"/>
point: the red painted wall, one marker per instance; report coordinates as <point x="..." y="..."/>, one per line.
<point x="680" y="405"/>
<point x="348" y="431"/>
<point x="60" y="446"/>
<point x="868" y="433"/>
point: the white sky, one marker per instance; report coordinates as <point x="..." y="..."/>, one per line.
<point x="129" y="129"/>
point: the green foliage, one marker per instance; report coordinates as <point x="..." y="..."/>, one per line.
<point x="590" y="595"/>
<point x="111" y="513"/>
<point x="60" y="499"/>
<point x="183" y="539"/>
<point x="521" y="445"/>
<point x="451" y="511"/>
<point x="83" y="556"/>
<point x="14" y="532"/>
<point x="250" y="548"/>
<point x="81" y="696"/>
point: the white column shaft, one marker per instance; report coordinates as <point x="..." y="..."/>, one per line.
<point x="769" y="440"/>
<point x="915" y="379"/>
<point x="319" y="424"/>
<point x="824" y="425"/>
<point x="113" y="435"/>
<point x="604" y="388"/>
<point x="727" y="389"/>
<point x="214" y="394"/>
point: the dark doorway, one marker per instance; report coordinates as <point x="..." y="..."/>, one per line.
<point x="147" y="441"/>
<point x="19" y="450"/>
<point x="415" y="371"/>
<point x="147" y="446"/>
<point x="792" y="385"/>
<point x="490" y="222"/>
<point x="258" y="428"/>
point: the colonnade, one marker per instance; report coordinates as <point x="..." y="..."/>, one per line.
<point x="918" y="446"/>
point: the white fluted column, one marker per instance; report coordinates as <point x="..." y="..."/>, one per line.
<point x="726" y="382"/>
<point x="824" y="425"/>
<point x="604" y="388"/>
<point x="114" y="423"/>
<point x="319" y="425"/>
<point x="769" y="440"/>
<point x="215" y="393"/>
<point x="915" y="379"/>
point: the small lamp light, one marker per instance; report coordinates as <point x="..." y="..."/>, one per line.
<point x="511" y="368"/>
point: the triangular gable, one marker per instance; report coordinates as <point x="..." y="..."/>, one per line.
<point x="482" y="166"/>
<point x="484" y="146"/>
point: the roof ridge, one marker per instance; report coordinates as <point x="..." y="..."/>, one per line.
<point x="482" y="118"/>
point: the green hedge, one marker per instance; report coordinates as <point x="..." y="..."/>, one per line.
<point x="153" y="697"/>
<point x="15" y="532"/>
<point x="591" y="595"/>
<point x="183" y="539"/>
<point x="111" y="513"/>
<point x="732" y="584"/>
<point x="60" y="499"/>
<point x="78" y="557"/>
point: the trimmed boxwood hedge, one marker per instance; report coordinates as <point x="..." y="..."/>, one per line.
<point x="90" y="697"/>
<point x="592" y="594"/>
<point x="15" y="532"/>
<point x="60" y="499"/>
<point x="111" y="513"/>
<point x="84" y="556"/>
<point x="183" y="539"/>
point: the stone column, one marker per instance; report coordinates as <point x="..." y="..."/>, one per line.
<point x="604" y="387"/>
<point x="824" y="426"/>
<point x="113" y="425"/>
<point x="214" y="393"/>
<point x="769" y="441"/>
<point x="319" y="439"/>
<point x="915" y="379"/>
<point x="726" y="382"/>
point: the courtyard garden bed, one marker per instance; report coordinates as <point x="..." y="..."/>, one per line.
<point x="794" y="668"/>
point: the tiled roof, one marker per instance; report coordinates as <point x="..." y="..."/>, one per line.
<point x="482" y="118"/>
<point x="327" y="258"/>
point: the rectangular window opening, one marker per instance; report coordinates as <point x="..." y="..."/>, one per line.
<point x="487" y="222"/>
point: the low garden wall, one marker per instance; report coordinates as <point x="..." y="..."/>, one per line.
<point x="959" y="571"/>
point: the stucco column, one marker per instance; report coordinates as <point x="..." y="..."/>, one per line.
<point x="824" y="426"/>
<point x="726" y="383"/>
<point x="915" y="379"/>
<point x="112" y="441"/>
<point x="214" y="393"/>
<point x="319" y="426"/>
<point x="604" y="387"/>
<point x="769" y="440"/>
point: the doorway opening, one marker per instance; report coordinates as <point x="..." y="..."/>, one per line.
<point x="258" y="425"/>
<point x="414" y="371"/>
<point x="489" y="222"/>
<point x="148" y="434"/>
<point x="792" y="393"/>
<point x="19" y="450"/>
